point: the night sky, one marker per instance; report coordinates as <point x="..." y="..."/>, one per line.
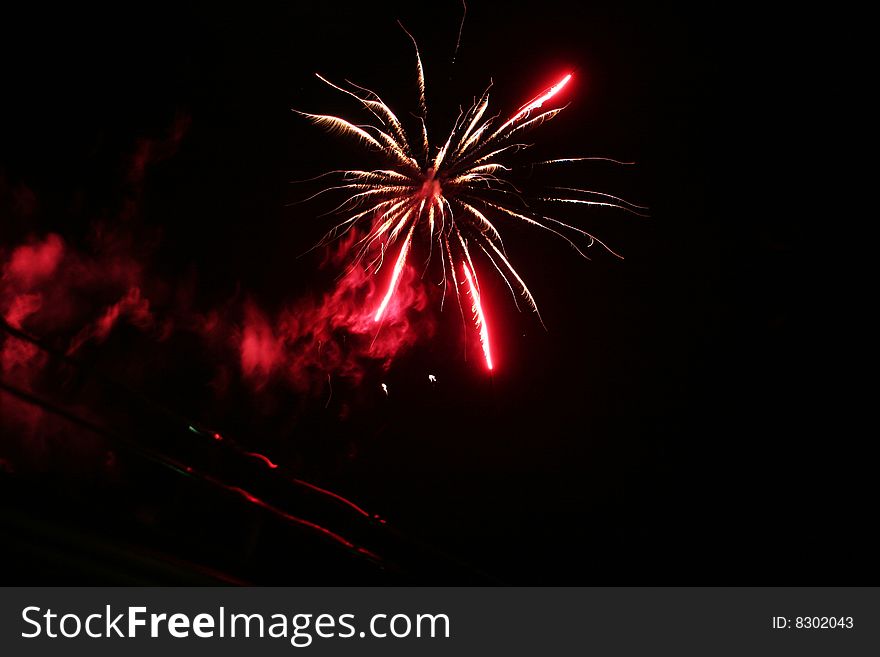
<point x="632" y="441"/>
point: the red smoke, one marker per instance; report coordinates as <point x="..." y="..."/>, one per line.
<point x="32" y="264"/>
<point x="28" y="268"/>
<point x="75" y="297"/>
<point x="76" y="301"/>
<point x="151" y="151"/>
<point x="334" y="334"/>
<point x="261" y="349"/>
<point x="27" y="272"/>
<point x="133" y="307"/>
<point x="48" y="289"/>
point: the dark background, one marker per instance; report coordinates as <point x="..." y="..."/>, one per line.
<point x="662" y="430"/>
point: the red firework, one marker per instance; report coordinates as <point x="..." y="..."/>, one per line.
<point x="448" y="194"/>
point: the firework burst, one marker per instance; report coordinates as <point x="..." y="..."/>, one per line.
<point x="449" y="196"/>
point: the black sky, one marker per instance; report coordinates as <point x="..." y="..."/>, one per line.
<point x="622" y="444"/>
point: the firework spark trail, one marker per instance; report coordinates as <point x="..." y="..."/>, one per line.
<point x="460" y="30"/>
<point x="395" y="275"/>
<point x="536" y="103"/>
<point x="452" y="194"/>
<point x="479" y="316"/>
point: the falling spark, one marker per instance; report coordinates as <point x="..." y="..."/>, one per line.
<point x="432" y="378"/>
<point x="385" y="389"/>
<point x="453" y="192"/>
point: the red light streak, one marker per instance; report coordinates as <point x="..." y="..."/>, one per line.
<point x="395" y="275"/>
<point x="311" y="486"/>
<point x="336" y="496"/>
<point x="300" y="521"/>
<point x="264" y="459"/>
<point x="479" y="316"/>
<point x="544" y="97"/>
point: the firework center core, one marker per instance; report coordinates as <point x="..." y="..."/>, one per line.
<point x="431" y="186"/>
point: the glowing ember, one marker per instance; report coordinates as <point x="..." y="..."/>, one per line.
<point x="452" y="193"/>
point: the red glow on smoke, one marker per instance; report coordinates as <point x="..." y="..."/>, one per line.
<point x="47" y="289"/>
<point x="32" y="264"/>
<point x="20" y="362"/>
<point x="24" y="275"/>
<point x="28" y="267"/>
<point x="151" y="151"/>
<point x="21" y="307"/>
<point x="334" y="334"/>
<point x="132" y="306"/>
<point x="261" y="350"/>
